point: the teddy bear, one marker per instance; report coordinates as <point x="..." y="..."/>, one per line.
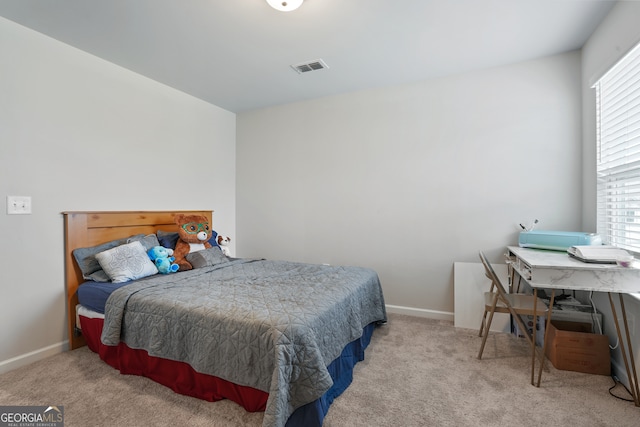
<point x="223" y="242"/>
<point x="161" y="256"/>
<point x="193" y="235"/>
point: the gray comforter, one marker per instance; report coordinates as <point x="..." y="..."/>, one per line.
<point x="271" y="325"/>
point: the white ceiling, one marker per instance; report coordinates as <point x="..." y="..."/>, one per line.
<point x="236" y="53"/>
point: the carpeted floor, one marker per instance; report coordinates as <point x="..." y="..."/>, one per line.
<point x="417" y="372"/>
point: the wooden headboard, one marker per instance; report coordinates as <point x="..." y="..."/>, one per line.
<point x="86" y="229"/>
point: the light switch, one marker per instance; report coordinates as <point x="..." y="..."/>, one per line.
<point x="18" y="205"/>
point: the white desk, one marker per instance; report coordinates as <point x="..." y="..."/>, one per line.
<point x="557" y="270"/>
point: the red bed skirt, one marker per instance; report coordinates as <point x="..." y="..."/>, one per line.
<point x="178" y="376"/>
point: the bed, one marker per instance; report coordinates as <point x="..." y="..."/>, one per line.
<point x="273" y="336"/>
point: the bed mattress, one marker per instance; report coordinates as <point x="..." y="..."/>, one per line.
<point x="94" y="295"/>
<point x="183" y="379"/>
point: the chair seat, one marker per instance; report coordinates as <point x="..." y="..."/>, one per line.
<point x="521" y="303"/>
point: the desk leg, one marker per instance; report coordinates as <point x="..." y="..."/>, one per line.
<point x="633" y="379"/>
<point x="533" y="337"/>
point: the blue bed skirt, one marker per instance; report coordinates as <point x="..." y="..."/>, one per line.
<point x="341" y="371"/>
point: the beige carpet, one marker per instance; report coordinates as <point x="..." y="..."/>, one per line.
<point x="417" y="372"/>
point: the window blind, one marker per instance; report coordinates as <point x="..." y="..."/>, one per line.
<point x="618" y="153"/>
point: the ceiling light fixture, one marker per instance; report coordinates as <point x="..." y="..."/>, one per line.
<point x="285" y="5"/>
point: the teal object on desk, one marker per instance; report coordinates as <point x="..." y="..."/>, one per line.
<point x="556" y="240"/>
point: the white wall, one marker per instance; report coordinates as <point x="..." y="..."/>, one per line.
<point x="79" y="133"/>
<point x="409" y="179"/>
<point x="615" y="36"/>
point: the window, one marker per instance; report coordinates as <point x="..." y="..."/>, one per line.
<point x="618" y="153"/>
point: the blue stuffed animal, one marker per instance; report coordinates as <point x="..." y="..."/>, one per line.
<point x="163" y="258"/>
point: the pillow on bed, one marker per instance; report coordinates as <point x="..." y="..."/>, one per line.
<point x="89" y="265"/>
<point x="207" y="257"/>
<point x="148" y="241"/>
<point x="126" y="262"/>
<point x="168" y="239"/>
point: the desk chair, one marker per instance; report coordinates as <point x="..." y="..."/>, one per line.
<point x="498" y="300"/>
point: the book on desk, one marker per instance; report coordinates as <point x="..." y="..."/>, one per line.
<point x="599" y="254"/>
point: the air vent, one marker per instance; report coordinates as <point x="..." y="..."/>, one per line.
<point x="314" y="65"/>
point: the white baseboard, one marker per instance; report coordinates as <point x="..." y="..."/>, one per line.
<point x="34" y="356"/>
<point x="420" y="312"/>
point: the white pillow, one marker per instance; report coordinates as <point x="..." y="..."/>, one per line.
<point x="126" y="262"/>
